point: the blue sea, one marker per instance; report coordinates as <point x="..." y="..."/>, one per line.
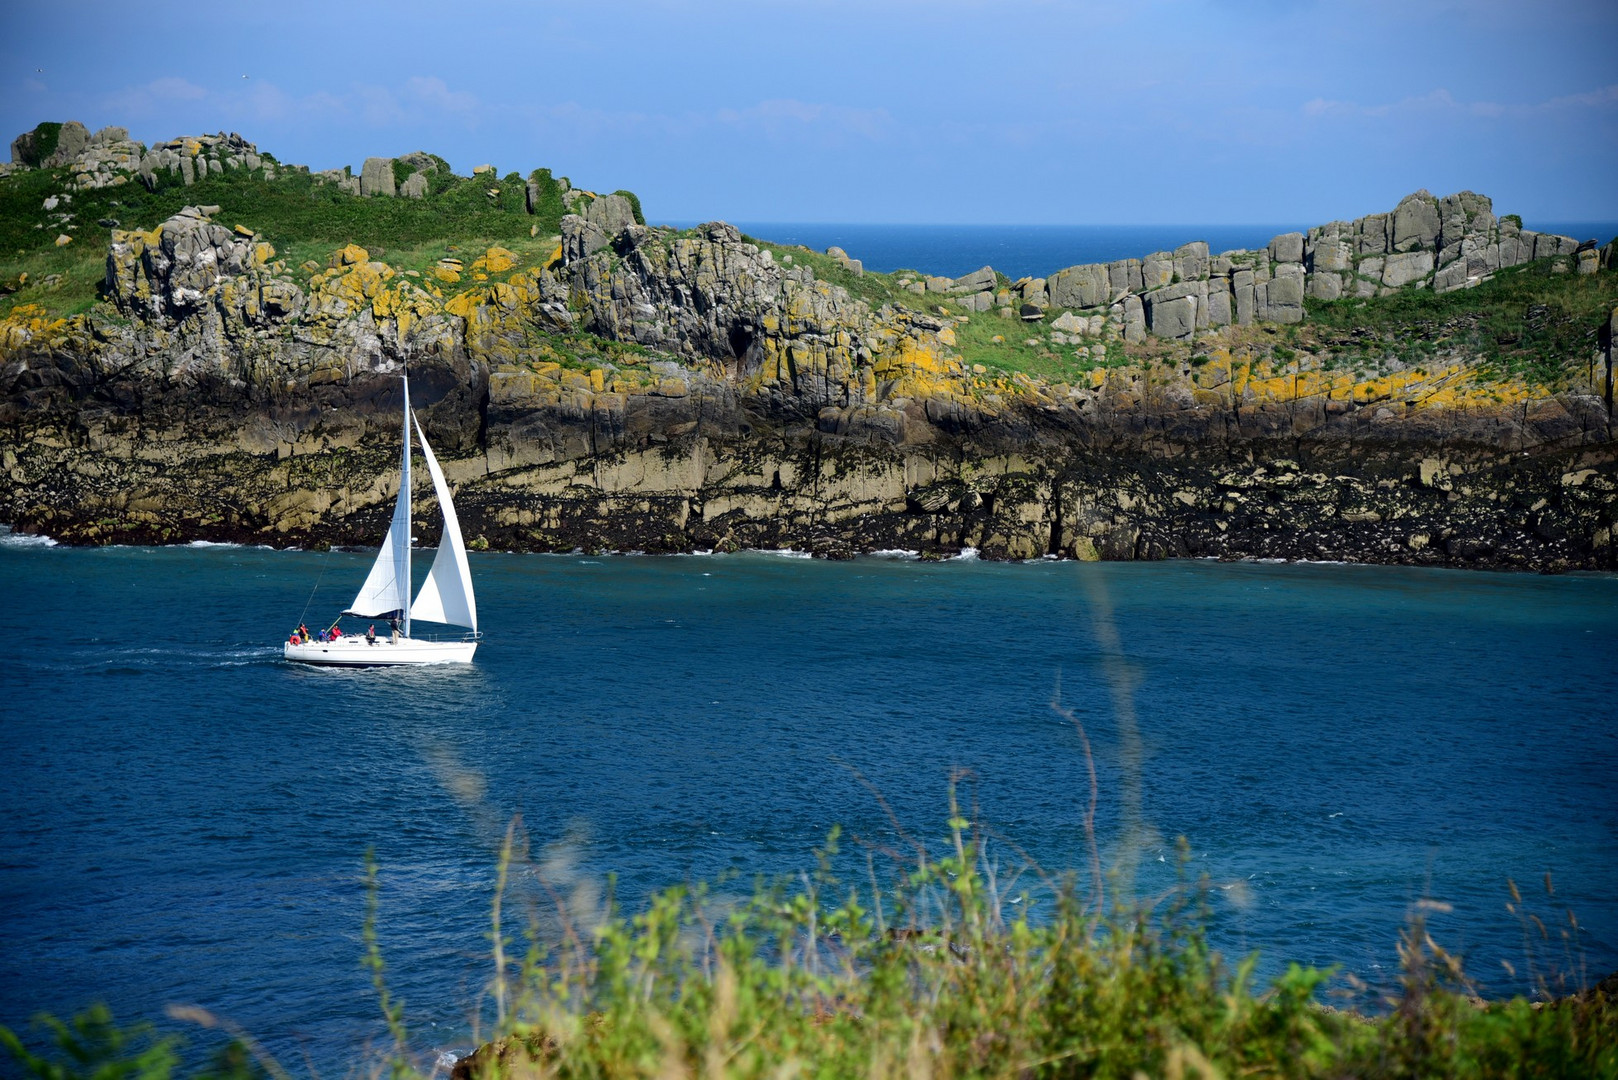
<point x="186" y="817"/>
<point x="1040" y="250"/>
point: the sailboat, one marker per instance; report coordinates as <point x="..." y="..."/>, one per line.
<point x="445" y="597"/>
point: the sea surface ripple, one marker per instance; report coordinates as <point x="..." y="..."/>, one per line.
<point x="186" y="816"/>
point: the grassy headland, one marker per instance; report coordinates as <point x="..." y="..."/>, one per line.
<point x="1527" y="322"/>
<point x="304" y="216"/>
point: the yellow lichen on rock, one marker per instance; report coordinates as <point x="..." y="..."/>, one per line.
<point x="467" y="303"/>
<point x="352" y="254"/>
<point x="917" y="368"/>
<point x="497" y="260"/>
<point x="338" y="294"/>
<point x="1260" y="380"/>
<point x="404" y="303"/>
<point x="24" y="323"/>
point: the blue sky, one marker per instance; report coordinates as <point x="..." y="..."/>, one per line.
<point x="944" y="111"/>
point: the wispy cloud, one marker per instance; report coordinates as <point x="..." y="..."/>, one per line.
<point x="1441" y="100"/>
<point x="435" y="93"/>
<point x="777" y="120"/>
<point x="145" y="99"/>
<point x="420" y="97"/>
<point x="375" y="105"/>
<point x="789" y="118"/>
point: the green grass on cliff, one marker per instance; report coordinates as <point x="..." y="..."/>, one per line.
<point x="874" y="289"/>
<point x="293" y="207"/>
<point x="303" y="217"/>
<point x="1527" y="321"/>
<point x="975" y="338"/>
<point x="925" y="965"/>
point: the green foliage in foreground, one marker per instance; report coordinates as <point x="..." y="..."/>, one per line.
<point x="92" y="1047"/>
<point x="930" y="977"/>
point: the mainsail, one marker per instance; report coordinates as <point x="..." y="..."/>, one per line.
<point x="386" y="592"/>
<point x="446" y="595"/>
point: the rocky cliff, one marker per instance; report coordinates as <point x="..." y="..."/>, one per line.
<point x="1348" y="393"/>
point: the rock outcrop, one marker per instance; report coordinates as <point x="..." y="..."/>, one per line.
<point x="110" y="157"/>
<point x="651" y="389"/>
<point x="1425" y="242"/>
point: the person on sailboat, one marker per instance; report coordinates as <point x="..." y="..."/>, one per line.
<point x="370" y="634"/>
<point x="445" y="596"/>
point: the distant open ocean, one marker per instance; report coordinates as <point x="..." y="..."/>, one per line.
<point x="1039" y="250"/>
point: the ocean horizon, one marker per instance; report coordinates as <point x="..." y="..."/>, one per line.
<point x="1040" y="250"/>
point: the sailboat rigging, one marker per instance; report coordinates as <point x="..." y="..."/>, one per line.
<point x="445" y="597"/>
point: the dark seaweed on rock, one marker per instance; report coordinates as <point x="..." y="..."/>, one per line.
<point x="1429" y="386"/>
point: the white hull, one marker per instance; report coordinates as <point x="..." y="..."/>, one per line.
<point x="355" y="651"/>
<point x="445" y="597"/>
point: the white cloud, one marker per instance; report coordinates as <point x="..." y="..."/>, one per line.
<point x="1441" y="100"/>
<point x="173" y="88"/>
<point x="785" y="122"/>
<point x="268" y="101"/>
<point x="147" y="98"/>
<point x="170" y="99"/>
<point x="434" y="93"/>
<point x="790" y="118"/>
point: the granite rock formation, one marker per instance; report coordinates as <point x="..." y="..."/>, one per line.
<point x="731" y="397"/>
<point x="1425" y="242"/>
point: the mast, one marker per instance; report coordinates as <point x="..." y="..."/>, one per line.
<point x="446" y="595"/>
<point x="386" y="592"/>
<point x="404" y="501"/>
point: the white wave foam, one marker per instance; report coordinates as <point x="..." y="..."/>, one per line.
<point x="785" y="553"/>
<point x="967" y="555"/>
<point x="213" y="544"/>
<point x="8" y="538"/>
<point x="896" y="553"/>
